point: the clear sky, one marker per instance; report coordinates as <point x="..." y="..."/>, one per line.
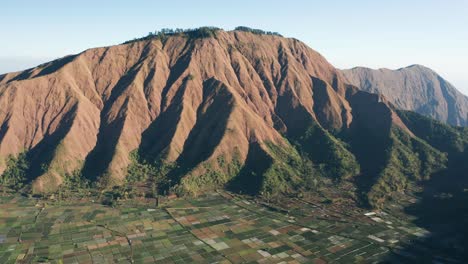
<point x="377" y="33"/>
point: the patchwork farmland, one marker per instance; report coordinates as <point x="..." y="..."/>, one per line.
<point x="216" y="228"/>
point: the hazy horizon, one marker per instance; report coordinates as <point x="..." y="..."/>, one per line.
<point x="362" y="33"/>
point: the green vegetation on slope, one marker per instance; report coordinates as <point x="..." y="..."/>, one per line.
<point x="316" y="157"/>
<point x="441" y="136"/>
<point x="409" y="160"/>
<point x="270" y="169"/>
<point x="152" y="173"/>
<point x="74" y="185"/>
<point x="15" y="174"/>
<point x="331" y="154"/>
<point x="273" y="170"/>
<point x="284" y="174"/>
<point x="214" y="176"/>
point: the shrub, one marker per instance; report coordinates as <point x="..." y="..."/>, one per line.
<point x="216" y="175"/>
<point x="15" y="174"/>
<point x="139" y="170"/>
<point x="257" y="31"/>
<point x="409" y="160"/>
<point x="74" y="184"/>
<point x="443" y="137"/>
<point x="334" y="159"/>
<point x="202" y="32"/>
<point x="153" y="173"/>
<point x="285" y="173"/>
<point x="195" y="33"/>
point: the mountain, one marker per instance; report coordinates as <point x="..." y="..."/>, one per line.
<point x="414" y="88"/>
<point x="198" y="110"/>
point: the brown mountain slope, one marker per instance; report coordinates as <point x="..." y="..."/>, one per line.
<point x="414" y="88"/>
<point x="223" y="108"/>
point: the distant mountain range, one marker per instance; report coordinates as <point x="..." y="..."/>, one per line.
<point x="414" y="88"/>
<point x="244" y="110"/>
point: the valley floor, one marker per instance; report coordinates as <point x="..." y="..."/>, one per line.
<point x="216" y="228"/>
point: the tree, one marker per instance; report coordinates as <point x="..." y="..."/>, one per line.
<point x="257" y="31"/>
<point x="15" y="174"/>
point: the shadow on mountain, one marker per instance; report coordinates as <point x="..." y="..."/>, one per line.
<point x="2" y="76"/>
<point x="442" y="209"/>
<point x="210" y="127"/>
<point x="157" y="137"/>
<point x="323" y="106"/>
<point x="4" y="127"/>
<point x="22" y="76"/>
<point x="442" y="206"/>
<point x="293" y="115"/>
<point x="55" y="65"/>
<point x="99" y="158"/>
<point x="369" y="138"/>
<point x="212" y="118"/>
<point x="250" y="178"/>
<point x="48" y="68"/>
<point x="176" y="72"/>
<point x="41" y="156"/>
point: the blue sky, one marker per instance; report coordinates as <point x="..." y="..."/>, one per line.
<point x="375" y="34"/>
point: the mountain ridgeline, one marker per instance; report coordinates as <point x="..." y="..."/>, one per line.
<point x="414" y="88"/>
<point x="190" y="112"/>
